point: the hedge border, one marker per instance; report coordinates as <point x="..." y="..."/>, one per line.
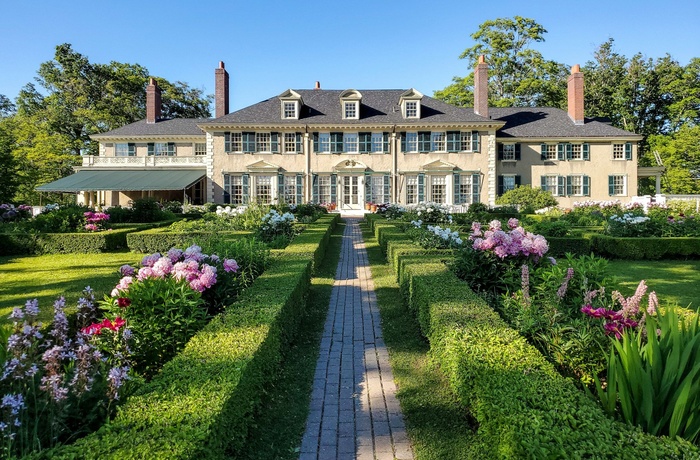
<point x="202" y="403"/>
<point x="160" y="240"/>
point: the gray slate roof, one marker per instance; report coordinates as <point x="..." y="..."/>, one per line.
<point x="162" y="128"/>
<point x="523" y="122"/>
<point x="323" y="107"/>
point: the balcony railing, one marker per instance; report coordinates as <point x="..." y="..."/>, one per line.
<point x="149" y="161"/>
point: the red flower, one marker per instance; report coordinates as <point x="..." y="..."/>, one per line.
<point x="123" y="302"/>
<point x="93" y="329"/>
<point x="118" y="322"/>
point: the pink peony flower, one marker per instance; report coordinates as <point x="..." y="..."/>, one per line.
<point x="230" y="265"/>
<point x="162" y="267"/>
<point x="146" y="272"/>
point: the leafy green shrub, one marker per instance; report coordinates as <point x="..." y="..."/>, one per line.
<point x="631" y="225"/>
<point x="173" y="206"/>
<point x="644" y="248"/>
<point x="653" y="378"/>
<point x="556" y="228"/>
<point x="148" y="210"/>
<point x="527" y="198"/>
<point x="64" y="243"/>
<point x="120" y="215"/>
<point x="16" y="243"/>
<point x="66" y="219"/>
<point x="434" y="237"/>
<point x="560" y="246"/>
<point x="430" y="213"/>
<point x="276" y="227"/>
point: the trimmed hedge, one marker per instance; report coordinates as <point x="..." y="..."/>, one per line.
<point x="558" y="246"/>
<point x="161" y="240"/>
<point x="202" y="403"/>
<point x="645" y="248"/>
<point x="63" y="243"/>
<point x="523" y="406"/>
<point x="12" y="244"/>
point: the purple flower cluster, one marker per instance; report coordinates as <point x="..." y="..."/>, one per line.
<point x="561" y="292"/>
<point x="513" y="243"/>
<point x="616" y="322"/>
<point x="95" y="221"/>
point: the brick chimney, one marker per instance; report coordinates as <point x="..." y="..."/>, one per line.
<point x="481" y="88"/>
<point x="575" y="95"/>
<point x="221" y="83"/>
<point x="153" y="103"/>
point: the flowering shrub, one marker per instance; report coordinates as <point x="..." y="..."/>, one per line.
<point x="434" y="237"/>
<point x="228" y="211"/>
<point x="275" y="225"/>
<point x="429" y="212"/>
<point x="10" y="213"/>
<point x="630" y="225"/>
<point x="95" y="221"/>
<point x="516" y="242"/>
<point x="391" y="211"/>
<point x="57" y="387"/>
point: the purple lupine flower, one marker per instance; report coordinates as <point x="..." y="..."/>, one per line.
<point x="17" y="314"/>
<point x="525" y="283"/>
<point x="82" y="379"/>
<point x="115" y="379"/>
<point x="13" y="402"/>
<point x="561" y="292"/>
<point x="60" y="322"/>
<point x="31" y="308"/>
<point x="653" y="303"/>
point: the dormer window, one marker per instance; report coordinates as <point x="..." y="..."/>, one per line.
<point x="290" y="110"/>
<point x="410" y="103"/>
<point x="350" y="104"/>
<point x="411" y="109"/>
<point x="350" y="110"/>
<point x="290" y="105"/>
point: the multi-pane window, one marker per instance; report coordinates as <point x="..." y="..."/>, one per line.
<point x="350" y="142"/>
<point x="262" y="142"/>
<point x="350" y="109"/>
<point x="617" y="185"/>
<point x="124" y="150"/>
<point x="290" y="190"/>
<point x="411" y="142"/>
<point x="438" y="186"/>
<point x="378" y="189"/>
<point x="618" y="151"/>
<point x="290" y="142"/>
<point x="508" y="182"/>
<point x="411" y="189"/>
<point x="411" y="109"/>
<point x="437" y="142"/>
<point x="263" y="189"/>
<point x="551" y="184"/>
<point x="576" y="152"/>
<point x="233" y="189"/>
<point x="236" y="142"/>
<point x="164" y="149"/>
<point x="465" y="138"/>
<point x="324" y="142"/>
<point x="324" y="189"/>
<point x="200" y="148"/>
<point x="377" y="142"/>
<point x="465" y="188"/>
<point x="509" y="151"/>
<point x="550" y="151"/>
<point x="576" y="185"/>
<point x="290" y="110"/>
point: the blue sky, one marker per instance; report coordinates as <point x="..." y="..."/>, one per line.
<point x="269" y="46"/>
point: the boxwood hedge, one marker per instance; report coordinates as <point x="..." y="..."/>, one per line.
<point x="160" y="239"/>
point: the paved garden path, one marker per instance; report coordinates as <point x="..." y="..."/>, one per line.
<point x="354" y="411"/>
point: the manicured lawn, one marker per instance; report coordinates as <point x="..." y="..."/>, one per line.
<point x="49" y="276"/>
<point x="676" y="282"/>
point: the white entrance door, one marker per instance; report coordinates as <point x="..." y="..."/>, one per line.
<point x="351" y="193"/>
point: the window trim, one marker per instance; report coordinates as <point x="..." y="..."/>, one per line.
<point x="295" y="106"/>
<point x="356" y="109"/>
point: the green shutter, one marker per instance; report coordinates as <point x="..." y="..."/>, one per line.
<point x="171" y="149"/>
<point x="543" y="183"/>
<point x="368" y="188"/>
<point x="315" y="142"/>
<point x="517" y="151"/>
<point x="424" y="141"/>
<point x="245" y="188"/>
<point x="299" y="147"/>
<point x="314" y="190"/>
<point x="387" y="188"/>
<point x="131" y="149"/>
<point x="518" y="181"/>
<point x="421" y="187"/>
<point x="385" y="142"/>
<point x="569" y="151"/>
<point x="248" y="140"/>
<point x="454" y="142"/>
<point x="151" y="148"/>
<point x="227" y="142"/>
<point x="561" y="155"/>
<point x="476" y="143"/>
<point x="300" y="189"/>
<point x="561" y="185"/>
<point x="227" y="189"/>
<point x="628" y="150"/>
<point x="611" y="185"/>
<point x="334" y="187"/>
<point x="543" y="151"/>
<point x="403" y="142"/>
<point x="500" y="151"/>
<point x="475" y="188"/>
<point x="455" y="184"/>
<point x="280" y="188"/>
<point x="365" y="141"/>
<point x="569" y="186"/>
<point x="336" y="142"/>
<point x="500" y="185"/>
<point x="586" y="152"/>
<point x="274" y="143"/>
<point x="586" y="186"/>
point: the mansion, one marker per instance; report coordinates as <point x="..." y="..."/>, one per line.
<point x="351" y="147"/>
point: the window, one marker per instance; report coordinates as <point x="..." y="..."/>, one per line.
<point x="262" y="142"/>
<point x="437" y="189"/>
<point x="350" y="110"/>
<point x="200" y="148"/>
<point x="411" y="142"/>
<point x="507" y="182"/>
<point x="233" y="142"/>
<point x="378" y="190"/>
<point x="576" y="152"/>
<point x="290" y="142"/>
<point x="617" y="185"/>
<point x="549" y="151"/>
<point x="161" y="149"/>
<point x="377" y="142"/>
<point x="324" y="142"/>
<point x="125" y="150"/>
<point x="437" y="142"/>
<point x="619" y="152"/>
<point x="465" y="189"/>
<point x="233" y="189"/>
<point x="263" y="189"/>
<point x="324" y="189"/>
<point x="508" y="152"/>
<point x="576" y="185"/>
<point x="411" y="189"/>
<point x="290" y="110"/>
<point x="350" y="142"/>
<point x="290" y="189"/>
<point x="411" y="109"/>
<point x="465" y="141"/>
<point x="554" y="184"/>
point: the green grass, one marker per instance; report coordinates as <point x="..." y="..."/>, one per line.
<point x="281" y="421"/>
<point x="438" y="425"/>
<point x="50" y="276"/>
<point x="676" y="282"/>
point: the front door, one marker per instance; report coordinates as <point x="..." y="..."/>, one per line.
<point x="351" y="195"/>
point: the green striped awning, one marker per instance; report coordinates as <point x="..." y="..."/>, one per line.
<point x="125" y="180"/>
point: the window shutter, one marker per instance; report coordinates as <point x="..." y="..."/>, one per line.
<point x="518" y="181"/>
<point x="151" y="148"/>
<point x="454" y="143"/>
<point x="365" y="140"/>
<point x="248" y="142"/>
<point x="586" y="152"/>
<point x="628" y="150"/>
<point x="500" y="151"/>
<point x="280" y="188"/>
<point x="543" y="151"/>
<point x="300" y="189"/>
<point x="517" y="151"/>
<point x="315" y="142"/>
<point x="336" y="142"/>
<point x="475" y="188"/>
<point x="385" y="142"/>
<point x="455" y="185"/>
<point x="227" y="142"/>
<point x="569" y="151"/>
<point x="543" y="183"/>
<point x="476" y="143"/>
<point x="586" y="186"/>
<point x="611" y="185"/>
<point x="403" y="142"/>
<point x="245" y="188"/>
<point x="274" y="143"/>
<point x="131" y="149"/>
<point x="314" y="189"/>
<point x="298" y="143"/>
<point x="368" y="188"/>
<point x="560" y="152"/>
<point x="227" y="189"/>
<point x="421" y="187"/>
<point x="569" y="186"/>
<point x="500" y="185"/>
<point x="424" y="141"/>
<point x="561" y="185"/>
<point x="171" y="149"/>
<point x="334" y="187"/>
<point x="387" y="188"/>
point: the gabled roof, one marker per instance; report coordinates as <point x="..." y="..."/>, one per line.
<point x="322" y="107"/>
<point x="539" y="122"/>
<point x="183" y="127"/>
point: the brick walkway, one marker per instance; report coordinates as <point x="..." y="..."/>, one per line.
<point x="354" y="411"/>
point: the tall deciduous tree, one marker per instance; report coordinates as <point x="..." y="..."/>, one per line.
<point x="8" y="167"/>
<point x="518" y="74"/>
<point x="680" y="152"/>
